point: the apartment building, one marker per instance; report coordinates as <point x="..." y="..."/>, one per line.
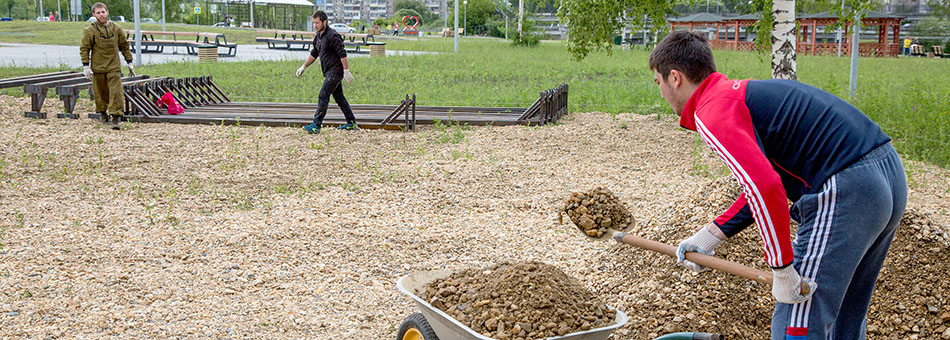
<point x="345" y="11"/>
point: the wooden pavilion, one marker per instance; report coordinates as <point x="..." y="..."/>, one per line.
<point x="732" y="33"/>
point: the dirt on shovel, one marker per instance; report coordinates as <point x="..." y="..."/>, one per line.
<point x="597" y="213"/>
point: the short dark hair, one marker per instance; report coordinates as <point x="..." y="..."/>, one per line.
<point x="320" y="15"/>
<point x="98" y="5"/>
<point x="686" y="52"/>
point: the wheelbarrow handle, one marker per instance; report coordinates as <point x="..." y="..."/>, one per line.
<point x="697" y="258"/>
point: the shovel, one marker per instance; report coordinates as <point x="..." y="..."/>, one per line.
<point x="702" y="260"/>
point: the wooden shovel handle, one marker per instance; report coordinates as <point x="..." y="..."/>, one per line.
<point x="697" y="258"/>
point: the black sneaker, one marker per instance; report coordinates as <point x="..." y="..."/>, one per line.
<point x="103" y="117"/>
<point x="115" y="122"/>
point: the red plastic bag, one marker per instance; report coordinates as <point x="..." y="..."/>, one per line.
<point x="168" y="99"/>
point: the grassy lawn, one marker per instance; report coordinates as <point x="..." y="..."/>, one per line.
<point x="906" y="96"/>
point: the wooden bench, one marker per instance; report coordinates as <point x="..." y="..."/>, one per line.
<point x="448" y="32"/>
<point x="281" y="39"/>
<point x="156" y="41"/>
<point x="917" y="50"/>
<point x="938" y="52"/>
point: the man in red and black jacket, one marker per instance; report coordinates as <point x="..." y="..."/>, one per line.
<point x="784" y="140"/>
<point x="329" y="49"/>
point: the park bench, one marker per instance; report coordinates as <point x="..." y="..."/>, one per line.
<point x="156" y="41"/>
<point x="917" y="50"/>
<point x="282" y="39"/>
<point x="448" y="32"/>
<point x="938" y="52"/>
<point x="69" y="94"/>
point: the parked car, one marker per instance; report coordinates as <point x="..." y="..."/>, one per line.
<point x="342" y="28"/>
<point x="147" y="20"/>
<point x="6" y="19"/>
<point x="222" y="24"/>
<point x="42" y="18"/>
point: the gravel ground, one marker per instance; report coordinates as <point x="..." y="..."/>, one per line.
<point x="243" y="232"/>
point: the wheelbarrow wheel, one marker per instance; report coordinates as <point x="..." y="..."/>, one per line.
<point x="415" y="327"/>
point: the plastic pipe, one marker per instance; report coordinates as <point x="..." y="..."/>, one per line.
<point x="691" y="336"/>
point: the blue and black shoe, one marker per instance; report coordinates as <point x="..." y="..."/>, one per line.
<point x="349" y="126"/>
<point x="312" y="128"/>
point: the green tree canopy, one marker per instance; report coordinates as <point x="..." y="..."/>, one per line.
<point x="593" y="24"/>
<point x="479" y="11"/>
<point x="421" y="9"/>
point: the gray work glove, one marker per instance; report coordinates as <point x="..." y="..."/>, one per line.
<point x="787" y="286"/>
<point x="131" y="70"/>
<point x="300" y="70"/>
<point x="703" y="242"/>
<point x="86" y="71"/>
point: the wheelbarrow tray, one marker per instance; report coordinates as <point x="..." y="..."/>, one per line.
<point x="446" y="327"/>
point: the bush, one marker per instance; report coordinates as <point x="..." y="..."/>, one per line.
<point x="495" y="28"/>
<point x="529" y="39"/>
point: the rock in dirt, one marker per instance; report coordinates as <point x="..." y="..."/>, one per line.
<point x="597" y="210"/>
<point x="518" y="301"/>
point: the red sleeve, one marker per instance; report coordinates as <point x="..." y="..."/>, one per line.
<point x="726" y="126"/>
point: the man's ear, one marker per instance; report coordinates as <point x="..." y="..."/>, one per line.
<point x="675" y="78"/>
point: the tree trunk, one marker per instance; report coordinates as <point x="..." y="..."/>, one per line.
<point x="783" y="39"/>
<point x="520" y="18"/>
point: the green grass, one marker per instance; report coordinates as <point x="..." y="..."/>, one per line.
<point x="70" y="33"/>
<point x="906" y="96"/>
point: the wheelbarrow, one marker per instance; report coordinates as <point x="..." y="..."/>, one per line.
<point x="434" y="324"/>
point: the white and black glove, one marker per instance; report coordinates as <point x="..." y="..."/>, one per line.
<point x="131" y="69"/>
<point x="86" y="71"/>
<point x="300" y="70"/>
<point x="347" y="75"/>
<point x="703" y="242"/>
<point x="787" y="286"/>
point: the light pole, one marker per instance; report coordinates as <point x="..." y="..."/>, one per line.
<point x="465" y="29"/>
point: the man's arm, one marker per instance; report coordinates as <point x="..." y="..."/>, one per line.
<point x="736" y="218"/>
<point x="346" y="65"/>
<point x="123" y="44"/>
<point x="85" y="47"/>
<point x="310" y="60"/>
<point x="726" y="126"/>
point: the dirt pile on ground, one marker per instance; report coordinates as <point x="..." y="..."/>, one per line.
<point x="597" y="210"/>
<point x="911" y="301"/>
<point x="519" y="301"/>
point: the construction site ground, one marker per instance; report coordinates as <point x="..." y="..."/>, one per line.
<point x="201" y="231"/>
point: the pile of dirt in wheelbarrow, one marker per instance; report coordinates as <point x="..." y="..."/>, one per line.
<point x="518" y="301"/>
<point x="597" y="210"/>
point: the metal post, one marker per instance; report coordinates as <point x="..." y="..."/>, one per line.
<point x="465" y="2"/>
<point x="853" y="82"/>
<point x="456" y="26"/>
<point x="59" y="8"/>
<point x="506" y="26"/>
<point x="252" y="13"/>
<point x="41" y="8"/>
<point x="163" y="15"/>
<point x="138" y="34"/>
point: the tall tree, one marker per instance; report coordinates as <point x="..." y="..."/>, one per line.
<point x="783" y="40"/>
